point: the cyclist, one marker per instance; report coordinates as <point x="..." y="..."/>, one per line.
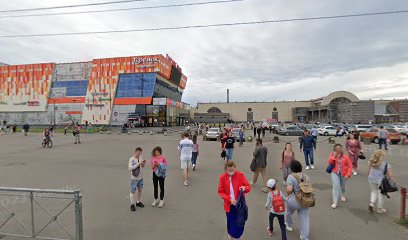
<point x="46" y="135"/>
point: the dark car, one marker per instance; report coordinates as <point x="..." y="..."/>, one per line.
<point x="290" y="131"/>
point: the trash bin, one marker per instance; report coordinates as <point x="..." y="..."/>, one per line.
<point x="331" y="140"/>
<point x="276" y="139"/>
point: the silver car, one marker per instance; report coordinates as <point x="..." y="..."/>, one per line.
<point x="213" y="133"/>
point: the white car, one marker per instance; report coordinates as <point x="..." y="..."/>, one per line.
<point x="363" y="128"/>
<point x="329" y="131"/>
<point x="213" y="133"/>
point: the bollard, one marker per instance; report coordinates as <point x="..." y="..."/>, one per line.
<point x="108" y="132"/>
<point x="150" y="133"/>
<point x="276" y="139"/>
<point x="165" y="133"/>
<point x="403" y="203"/>
<point x="141" y="133"/>
<point x="129" y="133"/>
<point x="331" y="140"/>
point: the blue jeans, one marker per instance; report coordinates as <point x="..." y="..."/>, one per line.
<point x="303" y="213"/>
<point x="229" y="153"/>
<point x="309" y="159"/>
<point x="382" y="141"/>
<point x="194" y="157"/>
<point x="339" y="186"/>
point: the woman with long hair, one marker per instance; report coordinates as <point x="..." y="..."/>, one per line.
<point x="377" y="166"/>
<point x="353" y="147"/>
<point x="288" y="155"/>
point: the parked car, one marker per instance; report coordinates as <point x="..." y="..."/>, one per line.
<point x="330" y="131"/>
<point x="372" y="134"/>
<point x="363" y="128"/>
<point x="235" y="134"/>
<point x="290" y="131"/>
<point x="213" y="133"/>
<point x="403" y="129"/>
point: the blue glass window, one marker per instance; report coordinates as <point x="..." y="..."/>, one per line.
<point x="73" y="88"/>
<point x="136" y="85"/>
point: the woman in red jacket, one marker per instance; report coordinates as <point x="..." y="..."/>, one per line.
<point x="229" y="187"/>
<point x="342" y="169"/>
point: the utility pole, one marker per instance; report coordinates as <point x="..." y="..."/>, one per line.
<point x="227" y="95"/>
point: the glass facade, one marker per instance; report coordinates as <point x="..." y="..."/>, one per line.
<point x="136" y="85"/>
<point x="72" y="88"/>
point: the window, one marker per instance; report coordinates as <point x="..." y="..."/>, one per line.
<point x="136" y="85"/>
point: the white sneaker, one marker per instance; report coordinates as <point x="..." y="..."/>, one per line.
<point x="155" y="202"/>
<point x="161" y="204"/>
<point x="343" y="199"/>
<point x="381" y="210"/>
<point x="355" y="173"/>
<point x="307" y="167"/>
<point x="312" y="167"/>
<point x="334" y="206"/>
<point x="186" y="183"/>
<point x="290" y="229"/>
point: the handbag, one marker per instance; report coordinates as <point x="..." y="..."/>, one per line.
<point x="223" y="154"/>
<point x="242" y="210"/>
<point x="136" y="172"/>
<point x="387" y="185"/>
<point x="329" y="168"/>
<point x="252" y="166"/>
<point x="361" y="156"/>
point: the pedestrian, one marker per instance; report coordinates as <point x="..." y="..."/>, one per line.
<point x="65" y="130"/>
<point x="341" y="172"/>
<point x="158" y="163"/>
<point x="314" y="132"/>
<point x="292" y="189"/>
<point x="260" y="162"/>
<point x="275" y="204"/>
<point x="26" y="128"/>
<point x="353" y="147"/>
<point x="382" y="138"/>
<point x="377" y="166"/>
<point x="223" y="138"/>
<point x="263" y="132"/>
<point x="241" y="137"/>
<point x="52" y="128"/>
<point x="259" y="131"/>
<point x="76" y="132"/>
<point x="14" y="128"/>
<point x="288" y="155"/>
<point x="338" y="131"/>
<point x="229" y="146"/>
<point x="195" y="153"/>
<point x="186" y="152"/>
<point x="136" y="167"/>
<point x="308" y="144"/>
<point x="255" y="130"/>
<point x="231" y="183"/>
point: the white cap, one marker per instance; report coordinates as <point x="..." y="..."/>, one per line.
<point x="271" y="183"/>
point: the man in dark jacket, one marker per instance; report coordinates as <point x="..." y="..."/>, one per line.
<point x="308" y="145"/>
<point x="260" y="159"/>
<point x="26" y="128"/>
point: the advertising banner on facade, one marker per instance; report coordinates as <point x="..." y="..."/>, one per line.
<point x="58" y="92"/>
<point x="183" y="82"/>
<point x="159" y="101"/>
<point x="25" y="88"/>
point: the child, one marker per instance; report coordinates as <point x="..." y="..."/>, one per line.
<point x="159" y="167"/>
<point x="275" y="203"/>
<point x="136" y="166"/>
<point x="196" y="150"/>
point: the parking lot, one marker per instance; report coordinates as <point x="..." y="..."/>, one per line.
<point x="98" y="167"/>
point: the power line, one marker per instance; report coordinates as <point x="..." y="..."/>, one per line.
<point x="71" y="6"/>
<point x="209" y="25"/>
<point x="123" y="9"/>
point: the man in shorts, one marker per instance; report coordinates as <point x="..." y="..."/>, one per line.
<point x="136" y="167"/>
<point x="186" y="152"/>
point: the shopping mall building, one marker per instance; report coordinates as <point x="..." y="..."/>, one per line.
<point x="339" y="106"/>
<point x="145" y="90"/>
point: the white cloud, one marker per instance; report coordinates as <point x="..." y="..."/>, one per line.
<point x="298" y="60"/>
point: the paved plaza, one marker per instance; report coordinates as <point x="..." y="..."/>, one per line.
<point x="98" y="166"/>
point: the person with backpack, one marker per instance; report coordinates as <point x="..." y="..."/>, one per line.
<point x="275" y="204"/>
<point x="341" y="171"/>
<point x="230" y="186"/>
<point x="288" y="155"/>
<point x="158" y="163"/>
<point x="300" y="198"/>
<point x="378" y="169"/>
<point x="136" y="166"/>
<point x="196" y="150"/>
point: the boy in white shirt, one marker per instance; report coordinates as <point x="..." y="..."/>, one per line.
<point x="186" y="152"/>
<point x="136" y="166"/>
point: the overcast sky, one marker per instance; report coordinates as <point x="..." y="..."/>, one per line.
<point x="282" y="61"/>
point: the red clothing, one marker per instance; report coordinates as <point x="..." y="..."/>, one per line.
<point x="159" y="160"/>
<point x="345" y="164"/>
<point x="238" y="180"/>
<point x="353" y="149"/>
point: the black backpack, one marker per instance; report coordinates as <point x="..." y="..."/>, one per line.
<point x="387" y="185"/>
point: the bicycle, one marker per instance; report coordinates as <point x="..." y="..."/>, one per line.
<point x="47" y="142"/>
